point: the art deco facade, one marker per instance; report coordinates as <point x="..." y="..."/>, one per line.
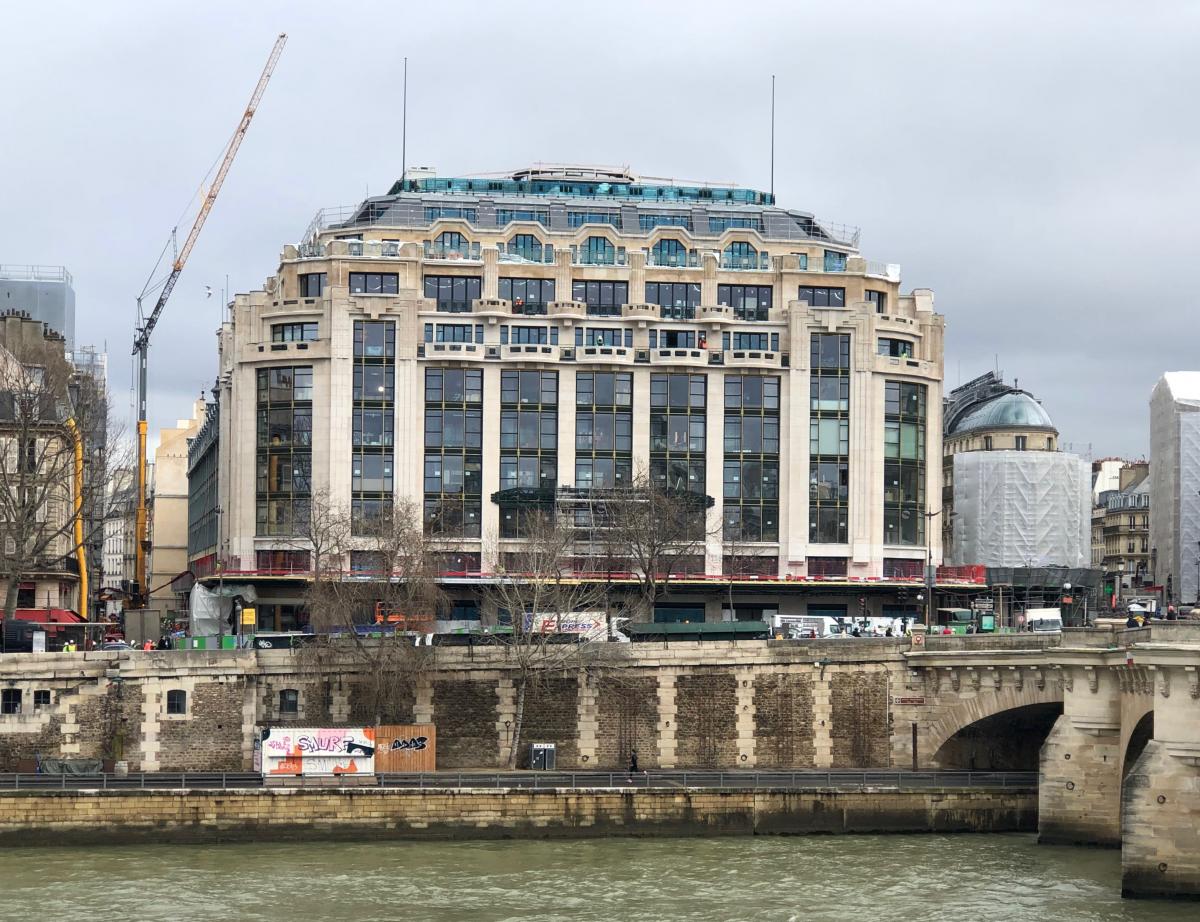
<point x="462" y="344"/>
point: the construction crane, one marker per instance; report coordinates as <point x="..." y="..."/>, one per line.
<point x="146" y="324"/>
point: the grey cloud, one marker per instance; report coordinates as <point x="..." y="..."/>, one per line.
<point x="1032" y="162"/>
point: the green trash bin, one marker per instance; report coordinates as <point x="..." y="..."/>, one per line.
<point x="228" y="642"/>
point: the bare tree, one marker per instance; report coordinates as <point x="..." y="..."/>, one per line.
<point x="538" y="590"/>
<point x="372" y="620"/>
<point x="56" y="446"/>
<point x="658" y="532"/>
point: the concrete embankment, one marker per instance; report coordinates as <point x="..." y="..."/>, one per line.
<point x="117" y="817"/>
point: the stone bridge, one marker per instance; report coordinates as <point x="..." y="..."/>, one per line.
<point x="1112" y="717"/>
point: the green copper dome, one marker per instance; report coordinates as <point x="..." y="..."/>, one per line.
<point x="1008" y="411"/>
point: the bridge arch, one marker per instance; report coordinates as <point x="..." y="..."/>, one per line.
<point x="1008" y="712"/>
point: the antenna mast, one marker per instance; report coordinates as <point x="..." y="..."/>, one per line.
<point x="404" y="126"/>
<point x="772" y="137"/>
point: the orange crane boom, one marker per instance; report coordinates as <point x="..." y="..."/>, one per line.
<point x="141" y="342"/>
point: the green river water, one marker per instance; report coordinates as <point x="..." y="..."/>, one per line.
<point x="917" y="878"/>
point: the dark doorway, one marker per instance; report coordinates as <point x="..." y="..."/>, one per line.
<point x="1009" y="741"/>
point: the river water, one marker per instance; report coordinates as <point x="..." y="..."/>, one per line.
<point x="917" y="878"/>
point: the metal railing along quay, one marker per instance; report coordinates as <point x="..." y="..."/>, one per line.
<point x="547" y="780"/>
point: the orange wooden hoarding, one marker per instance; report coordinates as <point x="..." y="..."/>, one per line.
<point x="406" y="748"/>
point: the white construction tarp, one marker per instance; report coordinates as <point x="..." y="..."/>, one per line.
<point x="1022" y="509"/>
<point x="209" y="606"/>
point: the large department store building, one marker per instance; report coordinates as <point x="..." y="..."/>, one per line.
<point x="463" y="344"/>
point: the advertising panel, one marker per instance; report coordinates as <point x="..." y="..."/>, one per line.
<point x="318" y="751"/>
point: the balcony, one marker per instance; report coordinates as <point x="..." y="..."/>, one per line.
<point x="530" y="308"/>
<point x="450" y="307"/>
<point x="758" y="263"/>
<point x="469" y="349"/>
<point x="677" y="311"/>
<point x="640" y="311"/>
<point x="602" y="258"/>
<point x="529" y="350"/>
<point x="689" y="260"/>
<point x="537" y="256"/>
<point x="568" y="309"/>
<point x="708" y="313"/>
<point x="752" y="357"/>
<point x="620" y="355"/>
<point x="437" y="251"/>
<point x="697" y="357"/>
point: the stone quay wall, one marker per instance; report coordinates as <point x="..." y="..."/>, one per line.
<point x="281" y="814"/>
<point x="769" y="705"/>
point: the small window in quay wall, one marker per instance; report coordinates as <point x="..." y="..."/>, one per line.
<point x="176" y="702"/>
<point x="289" y="701"/>
<point x="10" y="701"/>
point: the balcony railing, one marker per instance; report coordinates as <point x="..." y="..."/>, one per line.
<point x="543" y="255"/>
<point x="677" y="312"/>
<point x="530" y="308"/>
<point x="688" y="260"/>
<point x="590" y="258"/>
<point x="445" y="251"/>
<point x="746" y="263"/>
<point x="455" y="307"/>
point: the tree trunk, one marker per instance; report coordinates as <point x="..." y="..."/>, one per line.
<point x="10" y="597"/>
<point x="518" y="718"/>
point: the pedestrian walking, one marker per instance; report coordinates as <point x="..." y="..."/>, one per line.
<point x="633" y="766"/>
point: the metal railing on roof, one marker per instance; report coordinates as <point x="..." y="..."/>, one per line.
<point x="32" y="273"/>
<point x="411" y="213"/>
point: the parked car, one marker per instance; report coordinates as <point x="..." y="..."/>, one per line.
<point x="115" y="645"/>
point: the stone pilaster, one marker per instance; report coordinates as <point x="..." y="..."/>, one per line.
<point x="506" y="710"/>
<point x="423" y="701"/>
<point x="822" y="718"/>
<point x="587" y="719"/>
<point x="747" y="756"/>
<point x="666" y="719"/>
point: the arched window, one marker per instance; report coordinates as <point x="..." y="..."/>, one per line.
<point x="451" y="243"/>
<point x="669" y="252"/>
<point x="176" y="701"/>
<point x="289" y="702"/>
<point x="598" y="251"/>
<point x="525" y="246"/>
<point x="739" y="255"/>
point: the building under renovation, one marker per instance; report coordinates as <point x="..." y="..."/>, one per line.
<point x="1012" y="500"/>
<point x="1175" y="485"/>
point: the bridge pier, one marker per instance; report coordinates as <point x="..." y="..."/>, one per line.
<point x="1160" y="854"/>
<point x="1079" y="797"/>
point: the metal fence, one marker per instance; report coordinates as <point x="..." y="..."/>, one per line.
<point x="547" y="780"/>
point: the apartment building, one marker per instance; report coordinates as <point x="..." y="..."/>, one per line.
<point x="463" y="344"/>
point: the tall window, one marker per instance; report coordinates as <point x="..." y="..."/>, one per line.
<point x="603" y="430"/>
<point x="829" y="439"/>
<point x="835" y="261"/>
<point x="434" y="212"/>
<point x="528" y="296"/>
<point x="817" y="296"/>
<point x="672" y="252"/>
<point x="284" y="453"/>
<point x="647" y="222"/>
<point x="580" y="218"/>
<point x="293" y="332"/>
<point x="749" y="302"/>
<point x="678" y="300"/>
<point x="453" y="452"/>
<point x="677" y="431"/>
<point x="373" y="411"/>
<point x="374" y="283"/>
<point x="451" y="243"/>
<point x="312" y="284"/>
<point x="598" y="251"/>
<point x="603" y="299"/>
<point x="751" y="474"/>
<point x="508" y="215"/>
<point x="740" y="255"/>
<point x="528" y="445"/>
<point x="528" y="336"/>
<point x="453" y="293"/>
<point x="878" y="301"/>
<point x="904" y="463"/>
<point x="525" y="246"/>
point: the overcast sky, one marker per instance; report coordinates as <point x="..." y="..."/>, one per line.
<point x="1035" y="163"/>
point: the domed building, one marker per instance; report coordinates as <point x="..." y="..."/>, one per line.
<point x="1010" y="497"/>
